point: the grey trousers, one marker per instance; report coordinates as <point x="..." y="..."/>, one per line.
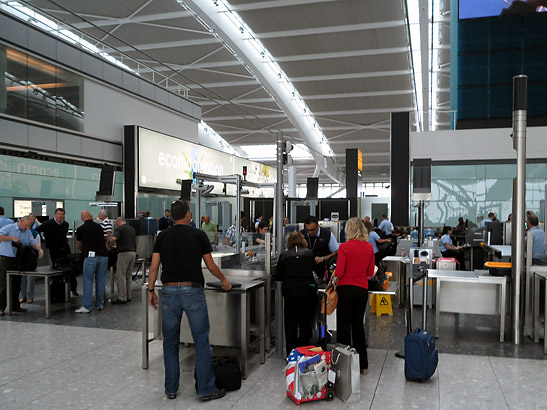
<point x="124" y="274"/>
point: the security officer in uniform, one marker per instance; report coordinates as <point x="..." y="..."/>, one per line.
<point x="322" y="243"/>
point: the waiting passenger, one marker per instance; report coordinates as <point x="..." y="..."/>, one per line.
<point x="491" y="217"/>
<point x="538" y="244"/>
<point x="165" y="221"/>
<point x="90" y="240"/>
<point x="295" y="271"/>
<point x="354" y="267"/>
<point x="448" y="250"/>
<point x="230" y="237"/>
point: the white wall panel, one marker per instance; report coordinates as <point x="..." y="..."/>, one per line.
<point x="42" y="138"/>
<point x="465" y="145"/>
<point x="107" y="110"/>
<point x="12" y="132"/>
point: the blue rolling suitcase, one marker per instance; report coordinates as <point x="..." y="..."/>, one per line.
<point x="421" y="355"/>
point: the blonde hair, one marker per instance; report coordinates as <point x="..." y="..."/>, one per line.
<point x="355" y="229"/>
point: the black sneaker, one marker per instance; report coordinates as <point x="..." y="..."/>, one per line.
<point x="171" y="396"/>
<point x="119" y="302"/>
<point x="217" y="394"/>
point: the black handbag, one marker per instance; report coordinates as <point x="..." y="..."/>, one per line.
<point x="26" y="257"/>
<point x="376" y="283"/>
<point x="227" y="373"/>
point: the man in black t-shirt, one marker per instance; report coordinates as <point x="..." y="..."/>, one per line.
<point x="55" y="231"/>
<point x="180" y="250"/>
<point x="125" y="239"/>
<point x="90" y="240"/>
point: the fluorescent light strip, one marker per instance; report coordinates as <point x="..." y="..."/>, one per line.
<point x="416" y="58"/>
<point x="262" y="53"/>
<point x="39" y="20"/>
<point x="222" y="142"/>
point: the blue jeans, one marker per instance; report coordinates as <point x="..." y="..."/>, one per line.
<point x="174" y="301"/>
<point x="94" y="268"/>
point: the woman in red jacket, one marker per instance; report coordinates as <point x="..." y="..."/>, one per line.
<point x="354" y="267"/>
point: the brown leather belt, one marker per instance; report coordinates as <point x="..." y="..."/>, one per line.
<point x="193" y="284"/>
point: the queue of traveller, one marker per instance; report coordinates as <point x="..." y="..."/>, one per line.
<point x="95" y="239"/>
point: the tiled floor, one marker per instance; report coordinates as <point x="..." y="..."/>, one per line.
<point x="94" y="362"/>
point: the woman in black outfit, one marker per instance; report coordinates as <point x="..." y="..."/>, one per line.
<point x="295" y="270"/>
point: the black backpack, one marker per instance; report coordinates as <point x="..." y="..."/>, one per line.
<point x="26" y="257"/>
<point x="227" y="373"/>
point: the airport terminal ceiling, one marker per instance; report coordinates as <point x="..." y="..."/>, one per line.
<point x="349" y="60"/>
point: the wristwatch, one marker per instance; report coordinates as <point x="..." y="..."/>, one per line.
<point x="151" y="290"/>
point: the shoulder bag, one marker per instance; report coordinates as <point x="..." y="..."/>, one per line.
<point x="330" y="299"/>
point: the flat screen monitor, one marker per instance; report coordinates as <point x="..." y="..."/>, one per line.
<point x="470" y="9"/>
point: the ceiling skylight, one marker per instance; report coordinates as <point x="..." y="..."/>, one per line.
<point x="268" y="152"/>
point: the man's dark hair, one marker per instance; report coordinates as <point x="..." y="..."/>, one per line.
<point x="384" y="216"/>
<point x="1" y="210"/>
<point x="60" y="210"/>
<point x="446" y="229"/>
<point x="311" y="220"/>
<point x="179" y="209"/>
<point x="167" y="210"/>
<point x="263" y="225"/>
<point x="532" y="220"/>
<point x="491" y="214"/>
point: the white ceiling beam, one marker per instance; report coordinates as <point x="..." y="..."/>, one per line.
<point x="329" y="77"/>
<point x="367" y="111"/>
<point x="318" y="113"/>
<point x="107" y="21"/>
<point x="331" y="29"/>
<point x="270" y="4"/>
<point x="313" y="97"/>
<point x="367" y="154"/>
<point x="360" y="141"/>
<point x="169" y="44"/>
<point x="247" y="52"/>
<point x="342" y="54"/>
<point x="286" y="130"/>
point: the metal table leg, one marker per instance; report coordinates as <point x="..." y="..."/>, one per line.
<point x="261" y="325"/>
<point x="67" y="292"/>
<point x="244" y="334"/>
<point x="545" y="322"/>
<point x="145" y="350"/>
<point x="9" y="306"/>
<point x="47" y="281"/>
<point x="437" y="307"/>
<point x="503" y="289"/>
<point x="536" y="308"/>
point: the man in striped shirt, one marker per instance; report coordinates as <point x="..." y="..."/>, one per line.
<point x="106" y="224"/>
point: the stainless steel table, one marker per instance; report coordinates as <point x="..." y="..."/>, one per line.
<point x="540" y="273"/>
<point x="469" y="292"/>
<point x="223" y="332"/>
<point x="45" y="272"/>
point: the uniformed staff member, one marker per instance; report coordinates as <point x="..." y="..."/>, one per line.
<point x="322" y="243"/>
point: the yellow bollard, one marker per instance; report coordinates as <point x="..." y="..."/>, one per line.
<point x="372" y="303"/>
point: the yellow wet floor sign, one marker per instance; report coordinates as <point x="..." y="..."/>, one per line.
<point x="381" y="304"/>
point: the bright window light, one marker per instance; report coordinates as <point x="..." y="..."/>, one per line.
<point x="267" y="152"/>
<point x="222" y="142"/>
<point x="416" y="59"/>
<point x="39" y="20"/>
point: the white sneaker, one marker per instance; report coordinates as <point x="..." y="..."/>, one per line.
<point x="82" y="310"/>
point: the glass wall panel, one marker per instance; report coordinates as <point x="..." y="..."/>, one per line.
<point x="485" y="188"/>
<point x="23" y="178"/>
<point x="40" y="91"/>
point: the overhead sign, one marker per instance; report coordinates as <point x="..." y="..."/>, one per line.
<point x="164" y="159"/>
